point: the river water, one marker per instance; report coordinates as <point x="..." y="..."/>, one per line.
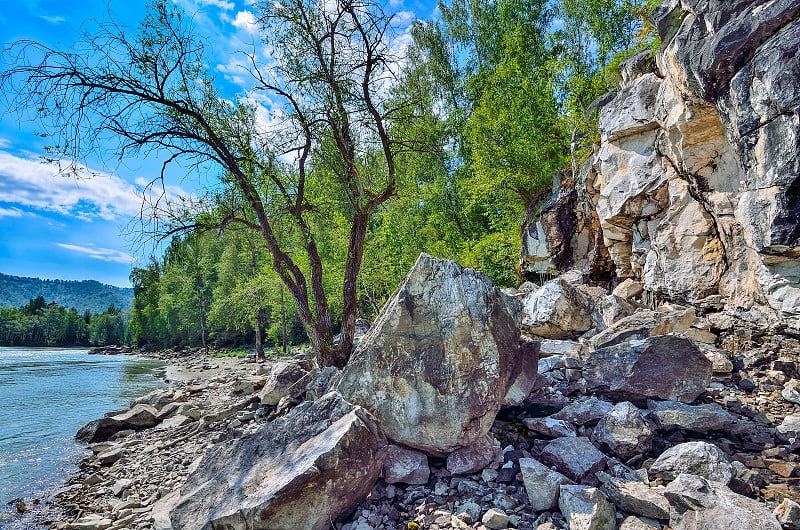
<point x="46" y="395"/>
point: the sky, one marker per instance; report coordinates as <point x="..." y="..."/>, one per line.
<point x="71" y="228"/>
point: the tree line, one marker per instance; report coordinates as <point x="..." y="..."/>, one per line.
<point x="39" y="323"/>
<point x="376" y="151"/>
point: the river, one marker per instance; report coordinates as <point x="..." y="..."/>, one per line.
<point x="46" y="395"/>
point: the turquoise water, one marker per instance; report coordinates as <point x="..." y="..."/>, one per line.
<point x="46" y="395"/>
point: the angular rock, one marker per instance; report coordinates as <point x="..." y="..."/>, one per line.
<point x="285" y="379"/>
<point x="495" y="519"/>
<point x="637" y="498"/>
<point x="157" y="398"/>
<point x="645" y="323"/>
<point x="624" y="431"/>
<point x="91" y="522"/>
<point x="788" y="514"/>
<point x="550" y="427"/>
<point x="322" y="382"/>
<point x="541" y="483"/>
<point x="670" y="415"/>
<point x="439" y="360"/>
<point x="322" y="459"/>
<point x="694" y="458"/>
<point x="699" y="503"/>
<point x="584" y="412"/>
<point x="628" y="289"/>
<point x="110" y="456"/>
<point x="576" y="458"/>
<point x="791" y="391"/>
<point x="586" y="508"/>
<point x="556" y="311"/>
<point x="178" y="420"/>
<point x="405" y="465"/>
<point x="635" y="523"/>
<point x="665" y="367"/>
<point x="141" y="416"/>
<point x="789" y="428"/>
<point x="475" y="457"/>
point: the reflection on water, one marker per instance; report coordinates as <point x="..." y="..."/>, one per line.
<point x="46" y="395"/>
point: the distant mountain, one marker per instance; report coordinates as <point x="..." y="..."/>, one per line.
<point x="16" y="291"/>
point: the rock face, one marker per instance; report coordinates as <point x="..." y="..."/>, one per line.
<point x="439" y="360"/>
<point x="665" y="367"/>
<point x="694" y="189"/>
<point x="326" y="454"/>
<point x="699" y="503"/>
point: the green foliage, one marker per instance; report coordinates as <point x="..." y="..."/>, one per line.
<point x="87" y="294"/>
<point x="38" y="323"/>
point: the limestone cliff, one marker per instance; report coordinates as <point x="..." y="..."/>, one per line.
<point x="694" y="188"/>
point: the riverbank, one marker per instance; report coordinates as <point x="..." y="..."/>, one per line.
<point x="127" y="481"/>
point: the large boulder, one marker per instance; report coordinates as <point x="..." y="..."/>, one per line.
<point x="586" y="508"/>
<point x="139" y="417"/>
<point x="557" y="311"/>
<point x="697" y="503"/>
<point x="303" y="470"/>
<point x="665" y="367"/>
<point x="405" y="465"/>
<point x="541" y="483"/>
<point x="439" y="360"/>
<point x="285" y="379"/>
<point x="695" y="458"/>
<point x="576" y="458"/>
<point x="670" y="415"/>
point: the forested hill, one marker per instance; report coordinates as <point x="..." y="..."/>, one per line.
<point x="16" y="291"/>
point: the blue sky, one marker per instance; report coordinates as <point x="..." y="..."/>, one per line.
<point x="59" y="227"/>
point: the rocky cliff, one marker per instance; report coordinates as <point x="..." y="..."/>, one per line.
<point x="694" y="188"/>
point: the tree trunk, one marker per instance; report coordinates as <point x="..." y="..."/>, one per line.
<point x="283" y="323"/>
<point x="259" y="324"/>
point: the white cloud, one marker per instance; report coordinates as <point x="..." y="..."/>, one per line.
<point x="88" y="195"/>
<point x="11" y="212"/>
<point x="222" y="4"/>
<point x="395" y="3"/>
<point x="246" y="20"/>
<point x="53" y="20"/>
<point x="100" y="253"/>
<point x="4" y="142"/>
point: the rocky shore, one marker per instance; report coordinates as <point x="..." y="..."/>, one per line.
<point x="654" y="418"/>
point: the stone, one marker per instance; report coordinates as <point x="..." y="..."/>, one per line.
<point x="586" y="508"/>
<point x="632" y="110"/>
<point x="159" y="515"/>
<point x="550" y="427"/>
<point x="695" y="458"/>
<point x="628" y="289"/>
<point x="439" y="360"/>
<point x="405" y="465"/>
<point x="587" y="411"/>
<point x="668" y="415"/>
<point x="665" y="367"/>
<point x="495" y="519"/>
<point x="475" y="457"/>
<point x="576" y="458"/>
<point x="636" y="523"/>
<point x="788" y="514"/>
<point x="700" y="503"/>
<point x="141" y="416"/>
<point x="637" y="498"/>
<point x="720" y="363"/>
<point x="91" y="522"/>
<point x="556" y="311"/>
<point x="646" y="323"/>
<point x="121" y="485"/>
<point x="791" y="391"/>
<point x="541" y="484"/>
<point x="286" y="379"/>
<point x="157" y="398"/>
<point x="624" y="431"/>
<point x="789" y="428"/>
<point x="323" y="382"/>
<point x="178" y="420"/>
<point x="322" y="458"/>
<point x="111" y="455"/>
